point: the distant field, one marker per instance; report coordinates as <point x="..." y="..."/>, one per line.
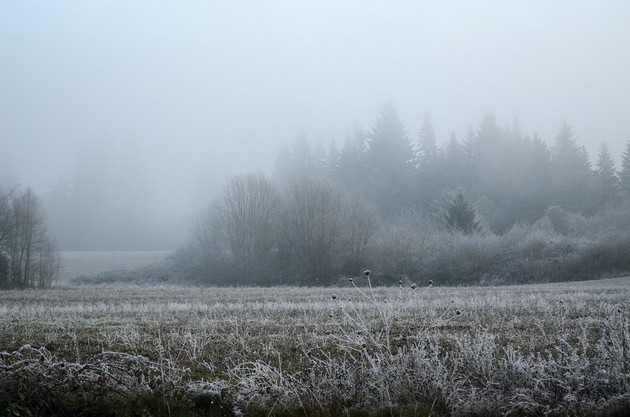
<point x="77" y="263"/>
<point x="552" y="350"/>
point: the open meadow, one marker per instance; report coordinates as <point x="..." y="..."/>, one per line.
<point x="75" y="264"/>
<point x="557" y="349"/>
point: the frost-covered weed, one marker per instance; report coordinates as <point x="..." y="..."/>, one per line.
<point x="530" y="350"/>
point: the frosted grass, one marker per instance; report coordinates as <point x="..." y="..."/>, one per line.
<point x="520" y="350"/>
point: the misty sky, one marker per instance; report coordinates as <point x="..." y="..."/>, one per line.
<point x="214" y="87"/>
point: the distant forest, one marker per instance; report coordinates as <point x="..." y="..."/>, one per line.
<point x="496" y="206"/>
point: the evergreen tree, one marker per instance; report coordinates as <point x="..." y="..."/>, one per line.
<point x="571" y="172"/>
<point x="428" y="162"/>
<point x="469" y="143"/>
<point x="530" y="189"/>
<point x="455" y="165"/>
<point x="332" y="159"/>
<point x="494" y="158"/>
<point x="456" y="214"/>
<point x="319" y="159"/>
<point x="390" y="158"/>
<point x="352" y="167"/>
<point x="302" y="155"/>
<point x="624" y="174"/>
<point x="427" y="151"/>
<point x="297" y="160"/>
<point x="284" y="166"/>
<point x="606" y="180"/>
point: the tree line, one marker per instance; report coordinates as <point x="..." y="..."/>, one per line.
<point x="510" y="176"/>
<point x="28" y="257"/>
<point x="496" y="205"/>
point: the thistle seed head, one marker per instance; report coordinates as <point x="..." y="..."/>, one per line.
<point x="334" y="296"/>
<point x="413" y="286"/>
<point x="367" y="272"/>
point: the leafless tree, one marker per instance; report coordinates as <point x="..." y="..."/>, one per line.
<point x="360" y="222"/>
<point x="206" y="235"/>
<point x="30" y="255"/>
<point x="6" y="229"/>
<point x="248" y="212"/>
<point x="253" y="234"/>
<point x="312" y="224"/>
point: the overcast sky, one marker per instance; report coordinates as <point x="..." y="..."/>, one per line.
<point x="217" y="86"/>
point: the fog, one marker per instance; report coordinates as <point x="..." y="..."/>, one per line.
<point x="182" y="95"/>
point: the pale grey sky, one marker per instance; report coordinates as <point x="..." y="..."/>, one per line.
<point x="217" y="86"/>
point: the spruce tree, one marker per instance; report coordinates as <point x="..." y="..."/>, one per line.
<point x="390" y="158"/>
<point x="428" y="162"/>
<point x="302" y="155"/>
<point x="332" y="159"/>
<point x="530" y="190"/>
<point x="352" y="167"/>
<point x="427" y="152"/>
<point x="319" y="159"/>
<point x="295" y="160"/>
<point x="571" y="170"/>
<point x="606" y="180"/>
<point x="458" y="215"/>
<point x="624" y="174"/>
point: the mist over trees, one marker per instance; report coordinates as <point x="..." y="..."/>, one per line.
<point x="497" y="205"/>
<point x="108" y="202"/>
<point x="511" y="177"/>
<point x="255" y="233"/>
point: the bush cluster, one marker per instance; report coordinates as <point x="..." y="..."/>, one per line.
<point x="416" y="246"/>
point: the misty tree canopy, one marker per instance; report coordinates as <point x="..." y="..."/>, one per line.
<point x="510" y="177"/>
<point x="405" y="207"/>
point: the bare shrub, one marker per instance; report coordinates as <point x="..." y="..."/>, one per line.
<point x="325" y="231"/>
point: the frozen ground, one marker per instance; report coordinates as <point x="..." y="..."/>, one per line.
<point x="77" y="263"/>
<point x="537" y="350"/>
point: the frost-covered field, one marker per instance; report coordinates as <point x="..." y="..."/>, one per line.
<point x="522" y="351"/>
<point x="85" y="263"/>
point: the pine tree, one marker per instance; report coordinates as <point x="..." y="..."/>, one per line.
<point x="427" y="151"/>
<point x="332" y="159"/>
<point x="458" y="215"/>
<point x="283" y="167"/>
<point x="495" y="156"/>
<point x="390" y="157"/>
<point x="295" y="160"/>
<point x="456" y="167"/>
<point x="352" y="167"/>
<point x="428" y="162"/>
<point x="469" y="144"/>
<point x="571" y="170"/>
<point x="302" y="155"/>
<point x="606" y="180"/>
<point x="530" y="190"/>
<point x="319" y="158"/>
<point x="624" y="174"/>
